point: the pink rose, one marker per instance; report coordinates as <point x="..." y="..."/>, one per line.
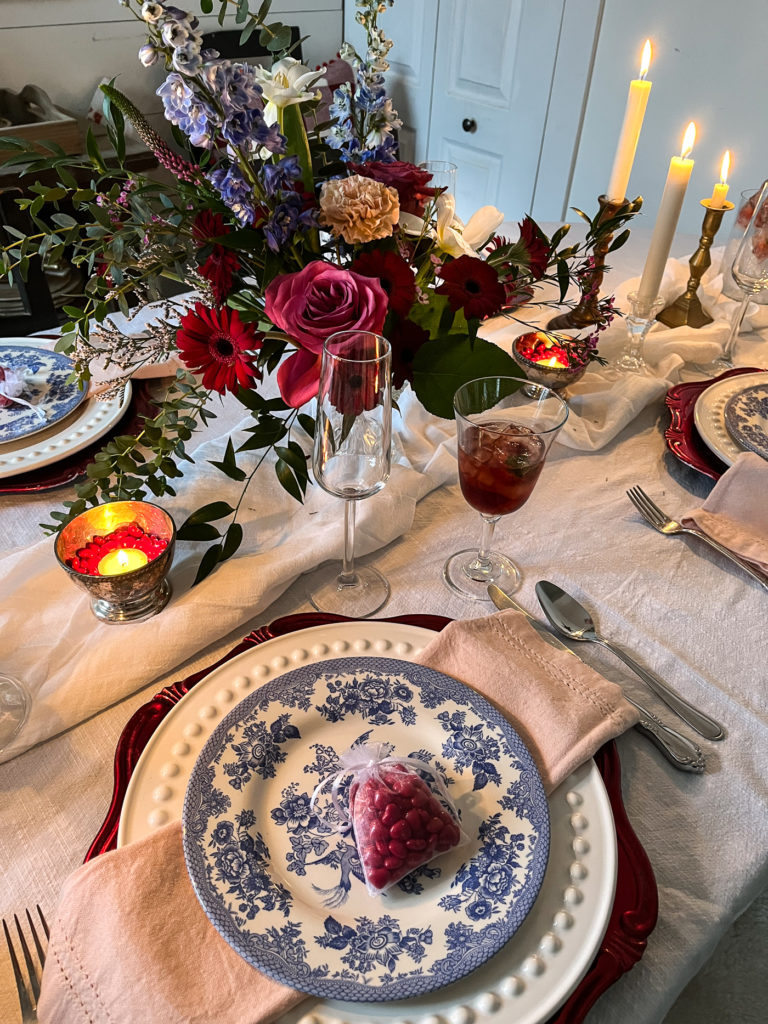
<point x="310" y="306"/>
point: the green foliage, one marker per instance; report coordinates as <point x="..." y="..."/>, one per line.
<point x="442" y="366"/>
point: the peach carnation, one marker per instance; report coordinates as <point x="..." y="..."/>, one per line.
<point x="359" y="209"/>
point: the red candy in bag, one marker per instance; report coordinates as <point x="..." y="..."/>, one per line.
<point x="398" y="821"/>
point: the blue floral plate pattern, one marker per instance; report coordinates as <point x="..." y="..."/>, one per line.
<point x="285" y="890"/>
<point x="746" y="417"/>
<point x="45" y="387"/>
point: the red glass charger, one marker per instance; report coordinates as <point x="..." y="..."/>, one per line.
<point x="635" y="906"/>
<point x="683" y="439"/>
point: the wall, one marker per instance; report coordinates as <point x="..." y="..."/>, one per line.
<point x="709" y="67"/>
<point x="67" y="46"/>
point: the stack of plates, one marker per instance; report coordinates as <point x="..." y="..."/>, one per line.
<point x="72" y="421"/>
<point x="504" y="927"/>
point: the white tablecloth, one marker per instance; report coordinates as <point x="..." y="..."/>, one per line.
<point x="684" y="611"/>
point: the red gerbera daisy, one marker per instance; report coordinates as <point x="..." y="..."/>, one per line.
<point x="394" y="274"/>
<point x="217" y="344"/>
<point x="222" y="262"/>
<point x="406" y="339"/>
<point x="473" y="286"/>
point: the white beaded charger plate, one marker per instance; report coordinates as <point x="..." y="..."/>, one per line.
<point x="79" y="428"/>
<point x="709" y="414"/>
<point x="549" y="954"/>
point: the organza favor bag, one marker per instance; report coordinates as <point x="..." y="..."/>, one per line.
<point x="399" y="821"/>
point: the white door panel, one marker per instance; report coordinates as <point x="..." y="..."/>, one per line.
<point x="494" y="63"/>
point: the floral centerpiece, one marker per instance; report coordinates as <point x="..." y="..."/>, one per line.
<point x="288" y="224"/>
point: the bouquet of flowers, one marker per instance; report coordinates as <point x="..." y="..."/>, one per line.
<point x="287" y="228"/>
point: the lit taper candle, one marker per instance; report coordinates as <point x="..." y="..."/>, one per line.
<point x="637" y="101"/>
<point x="679" y="175"/>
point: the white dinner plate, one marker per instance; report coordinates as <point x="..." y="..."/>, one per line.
<point x="546" y="958"/>
<point x="86" y="424"/>
<point x="709" y="414"/>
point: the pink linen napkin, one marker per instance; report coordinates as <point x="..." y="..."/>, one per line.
<point x="736" y="512"/>
<point x="130" y="942"/>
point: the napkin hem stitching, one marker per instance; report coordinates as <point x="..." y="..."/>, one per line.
<point x="558" y="673"/>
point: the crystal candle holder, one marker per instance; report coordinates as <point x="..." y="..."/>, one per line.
<point x="128" y="596"/>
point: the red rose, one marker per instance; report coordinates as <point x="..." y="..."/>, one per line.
<point x="310" y="306"/>
<point x="409" y="180"/>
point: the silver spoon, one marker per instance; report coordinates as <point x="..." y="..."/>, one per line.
<point x="680" y="751"/>
<point x="573" y="620"/>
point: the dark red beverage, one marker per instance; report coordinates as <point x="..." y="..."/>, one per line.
<point x="499" y="464"/>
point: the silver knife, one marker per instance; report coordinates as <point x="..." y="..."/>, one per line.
<point x="680" y="751"/>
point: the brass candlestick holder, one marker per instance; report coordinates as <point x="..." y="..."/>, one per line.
<point x="587" y="311"/>
<point x="686" y="310"/>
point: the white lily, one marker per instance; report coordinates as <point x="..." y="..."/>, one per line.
<point x="286" y="83"/>
<point x="450" y="232"/>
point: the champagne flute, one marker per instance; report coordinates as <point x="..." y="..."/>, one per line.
<point x="14" y="708"/>
<point x="351" y="458"/>
<point x="505" y="427"/>
<point x="750" y="272"/>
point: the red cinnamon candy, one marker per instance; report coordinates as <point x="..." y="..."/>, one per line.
<point x="398" y="822"/>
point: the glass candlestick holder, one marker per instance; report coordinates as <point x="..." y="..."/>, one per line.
<point x="639" y="322"/>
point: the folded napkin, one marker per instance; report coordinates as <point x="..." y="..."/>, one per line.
<point x="131" y="943"/>
<point x="736" y="512"/>
<point x="75" y="665"/>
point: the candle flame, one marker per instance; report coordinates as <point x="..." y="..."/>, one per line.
<point x="122" y="558"/>
<point x="645" y="62"/>
<point x="725" y="166"/>
<point x="688" y="140"/>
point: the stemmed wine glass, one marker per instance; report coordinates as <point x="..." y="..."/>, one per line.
<point x="14" y="708"/>
<point x="750" y="272"/>
<point x="505" y="427"/>
<point x="351" y="458"/>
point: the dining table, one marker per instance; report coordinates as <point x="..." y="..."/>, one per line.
<point x="680" y="608"/>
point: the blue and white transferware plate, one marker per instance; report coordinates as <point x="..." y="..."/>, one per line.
<point x="45" y="387"/>
<point x="746" y="417"/>
<point x="286" y="891"/>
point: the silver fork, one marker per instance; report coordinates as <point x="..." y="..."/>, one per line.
<point x="29" y="992"/>
<point x="661" y="521"/>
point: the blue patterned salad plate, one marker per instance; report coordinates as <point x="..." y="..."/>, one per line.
<point x="45" y="387"/>
<point x="285" y="889"/>
<point x="746" y="417"/>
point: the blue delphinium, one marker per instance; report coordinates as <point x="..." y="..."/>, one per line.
<point x="364" y="115"/>
<point x="280" y="176"/>
<point x="236" y="192"/>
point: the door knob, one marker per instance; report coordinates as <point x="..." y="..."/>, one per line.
<point x="469" y="124"/>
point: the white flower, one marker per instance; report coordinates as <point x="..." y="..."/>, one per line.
<point x="286" y="83"/>
<point x="152" y="12"/>
<point x="450" y="232"/>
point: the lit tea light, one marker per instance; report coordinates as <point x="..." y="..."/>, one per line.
<point x="120" y="554"/>
<point x="543" y="349"/>
<point x="121" y="560"/>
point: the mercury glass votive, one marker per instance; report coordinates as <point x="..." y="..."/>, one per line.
<point x="546" y="367"/>
<point x="144" y="535"/>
